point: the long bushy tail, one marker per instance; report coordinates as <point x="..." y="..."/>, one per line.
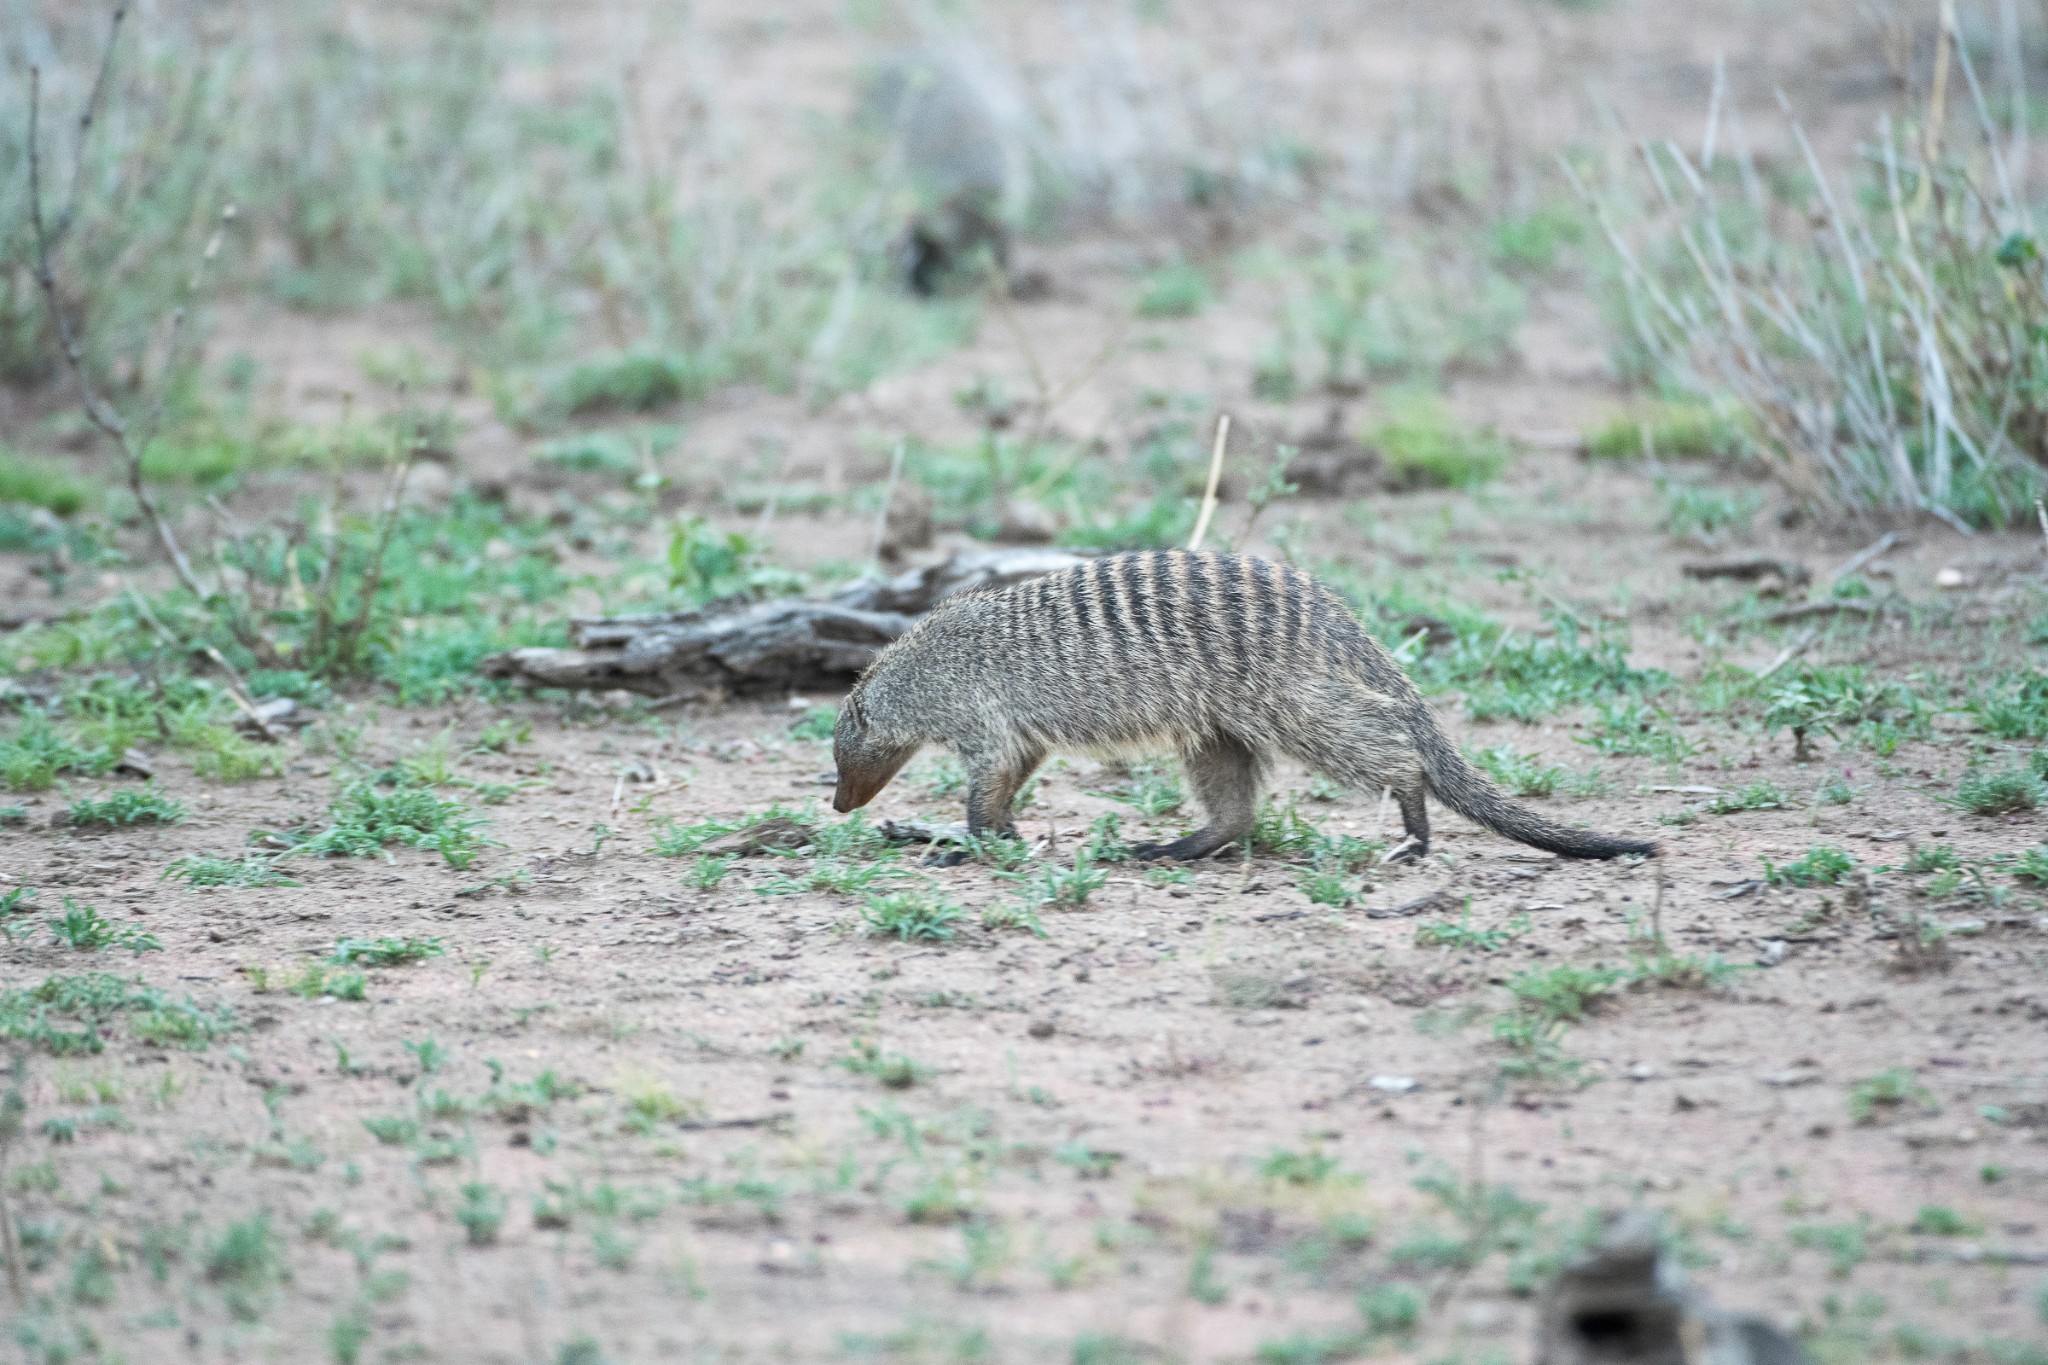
<point x="1469" y="792"/>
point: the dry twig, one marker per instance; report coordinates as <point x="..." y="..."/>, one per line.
<point x="48" y="237"/>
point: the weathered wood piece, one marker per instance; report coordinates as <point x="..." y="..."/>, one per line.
<point x="778" y="645"/>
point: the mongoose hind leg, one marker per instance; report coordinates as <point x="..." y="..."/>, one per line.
<point x="1415" y="823"/>
<point x="992" y="785"/>
<point x="1225" y="776"/>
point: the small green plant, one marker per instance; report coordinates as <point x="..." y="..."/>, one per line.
<point x="892" y="1069"/>
<point x="245" y="1260"/>
<point x="1632" y="728"/>
<point x="145" y="807"/>
<point x="2032" y="866"/>
<point x="1844" y="1244"/>
<point x="385" y="952"/>
<point x="1152" y="790"/>
<point x="36" y="755"/>
<point x="1762" y="794"/>
<point x="679" y="841"/>
<point x="1328" y="886"/>
<point x="911" y="916"/>
<point x="1001" y="918"/>
<point x="1067" y="888"/>
<point x="207" y="870"/>
<point x="83" y="929"/>
<point x="1692" y="509"/>
<point x="1565" y="992"/>
<point x="1938" y="1220"/>
<point x="481" y="1213"/>
<point x="1284" y="830"/>
<point x="1522" y="774"/>
<point x="1820" y="865"/>
<point x="38" y="481"/>
<point x="1462" y="937"/>
<point x="1174" y="291"/>
<point x="629" y="381"/>
<point x="1299" y="1168"/>
<point x="2002" y="792"/>
<point x="393" y="1130"/>
<point x="13" y="906"/>
<point x="709" y="871"/>
<point x="365" y="819"/>
<point x="1886" y="1091"/>
<point x="1390" y="1310"/>
<point x="1667" y="431"/>
<point x="1424" y="445"/>
<point x="430" y="1055"/>
<point x="816" y="724"/>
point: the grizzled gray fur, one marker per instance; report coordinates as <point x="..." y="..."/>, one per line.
<point x="1232" y="661"/>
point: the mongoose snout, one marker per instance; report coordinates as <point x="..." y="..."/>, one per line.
<point x="1229" y="660"/>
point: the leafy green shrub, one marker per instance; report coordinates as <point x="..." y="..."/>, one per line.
<point x="1174" y="291"/>
<point x="39" y="482"/>
<point x="1820" y="865"/>
<point x="145" y="807"/>
<point x="1425" y="446"/>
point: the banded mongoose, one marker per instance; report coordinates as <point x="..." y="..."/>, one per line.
<point x="950" y="156"/>
<point x="1232" y="661"/>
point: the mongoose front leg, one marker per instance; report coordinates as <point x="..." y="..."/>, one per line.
<point x="1225" y="776"/>
<point x="992" y="786"/>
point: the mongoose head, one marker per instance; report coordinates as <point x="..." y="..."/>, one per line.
<point x="867" y="752"/>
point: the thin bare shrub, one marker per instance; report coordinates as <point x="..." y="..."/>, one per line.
<point x="1881" y="330"/>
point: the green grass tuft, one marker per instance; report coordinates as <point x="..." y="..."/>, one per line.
<point x="2002" y="792"/>
<point x="145" y="807"/>
<point x="40" y="482"/>
<point x="1820" y="865"/>
<point x="1669" y="431"/>
<point x="1174" y="291"/>
<point x="365" y="819"/>
<point x="911" y="916"/>
<point x="1425" y="446"/>
<point x="630" y="381"/>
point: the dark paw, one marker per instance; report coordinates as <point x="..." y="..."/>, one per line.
<point x="1146" y="853"/>
<point x="952" y="857"/>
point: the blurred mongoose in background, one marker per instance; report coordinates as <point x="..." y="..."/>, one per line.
<point x="1232" y="661"/>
